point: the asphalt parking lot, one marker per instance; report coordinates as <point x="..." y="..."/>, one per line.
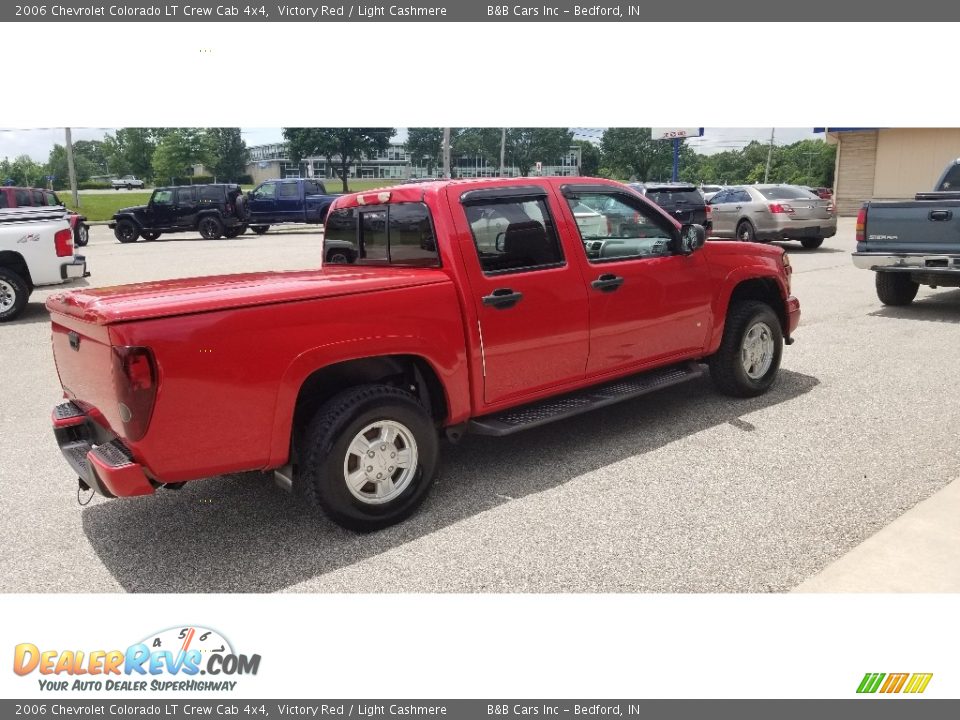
<point x="681" y="491"/>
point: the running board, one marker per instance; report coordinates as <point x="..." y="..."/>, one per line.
<point x="547" y="411"/>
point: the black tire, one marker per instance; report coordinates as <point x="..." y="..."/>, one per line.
<point x="327" y="442"/>
<point x="210" y="227"/>
<point x="126" y="231"/>
<point x="339" y="257"/>
<point x="259" y="229"/>
<point x="240" y="207"/>
<point x="727" y="365"/>
<point x="81" y="235"/>
<point x="149" y="234"/>
<point x="14" y="293"/>
<point x="129" y="187"/>
<point x="895" y="288"/>
<point x="746" y="232"/>
<point x="235" y="231"/>
<point x="812" y="243"/>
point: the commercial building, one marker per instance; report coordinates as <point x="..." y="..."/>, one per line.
<point x="888" y="163"/>
<point x="394" y="163"/>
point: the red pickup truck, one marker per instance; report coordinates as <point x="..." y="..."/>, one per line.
<point x="484" y="306"/>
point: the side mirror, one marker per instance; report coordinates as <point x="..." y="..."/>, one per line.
<point x="692" y="237"/>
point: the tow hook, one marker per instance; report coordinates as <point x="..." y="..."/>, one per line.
<point x="81" y="488"/>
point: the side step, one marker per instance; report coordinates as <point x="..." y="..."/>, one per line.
<point x="540" y="413"/>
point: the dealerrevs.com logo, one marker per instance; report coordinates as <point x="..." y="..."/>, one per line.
<point x="176" y="659"/>
<point x="893" y="683"/>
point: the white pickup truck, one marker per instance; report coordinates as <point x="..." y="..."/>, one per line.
<point x="127" y="181"/>
<point x="36" y="248"/>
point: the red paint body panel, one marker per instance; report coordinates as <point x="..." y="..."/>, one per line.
<point x="232" y="352"/>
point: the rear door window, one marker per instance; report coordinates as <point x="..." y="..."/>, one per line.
<point x="289" y="190"/>
<point x="211" y="192"/>
<point x="514" y="235"/>
<point x="23" y="198"/>
<point x="398" y="234"/>
<point x="184" y="196"/>
<point x="3" y="200"/>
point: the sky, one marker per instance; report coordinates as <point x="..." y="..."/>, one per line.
<point x="37" y="142"/>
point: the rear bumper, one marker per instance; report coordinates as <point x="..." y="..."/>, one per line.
<point x="827" y="229"/>
<point x="100" y="459"/>
<point x="907" y="261"/>
<point x="76" y="268"/>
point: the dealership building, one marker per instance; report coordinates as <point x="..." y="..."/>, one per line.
<point x="888" y="163"/>
<point x="273" y="161"/>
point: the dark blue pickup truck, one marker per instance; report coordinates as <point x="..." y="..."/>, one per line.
<point x="277" y="202"/>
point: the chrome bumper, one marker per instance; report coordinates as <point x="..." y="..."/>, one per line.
<point x="907" y="261"/>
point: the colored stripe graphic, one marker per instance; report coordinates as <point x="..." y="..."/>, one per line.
<point x="918" y="683"/>
<point x="870" y="682"/>
<point x="894" y="682"/>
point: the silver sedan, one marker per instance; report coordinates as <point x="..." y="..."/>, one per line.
<point x="773" y="212"/>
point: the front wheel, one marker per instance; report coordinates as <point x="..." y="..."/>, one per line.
<point x="126" y="231"/>
<point x="210" y="228"/>
<point x="149" y="235"/>
<point x="235" y="231"/>
<point x="371" y="457"/>
<point x="747" y="362"/>
<point x="894" y="288"/>
<point x="259" y="229"/>
<point x="812" y="243"/>
<point x="14" y="293"/>
<point x="81" y="235"/>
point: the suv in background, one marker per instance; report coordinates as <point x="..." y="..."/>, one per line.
<point x="19" y="197"/>
<point x="212" y="210"/>
<point x="682" y="201"/>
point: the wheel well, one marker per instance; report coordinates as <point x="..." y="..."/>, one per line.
<point x="764" y="290"/>
<point x="409" y="372"/>
<point x="14" y="261"/>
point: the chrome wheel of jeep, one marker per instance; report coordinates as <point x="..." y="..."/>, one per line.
<point x="381" y="462"/>
<point x="8" y="296"/>
<point x="757" y="350"/>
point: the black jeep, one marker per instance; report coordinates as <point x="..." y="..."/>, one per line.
<point x="212" y="210"/>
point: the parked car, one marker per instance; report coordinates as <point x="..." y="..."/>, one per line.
<point x="708" y="191"/>
<point x="296" y="200"/>
<point x="212" y="210"/>
<point x="761" y="213"/>
<point x="36" y="248"/>
<point x="912" y="243"/>
<point x="682" y="200"/>
<point x="824" y="193"/>
<point x="347" y="375"/>
<point x="127" y="181"/>
<point x="12" y="197"/>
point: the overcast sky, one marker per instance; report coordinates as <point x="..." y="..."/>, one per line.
<point x="38" y="142"/>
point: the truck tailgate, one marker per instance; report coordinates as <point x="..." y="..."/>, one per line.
<point x="84" y="361"/>
<point x="918" y="226"/>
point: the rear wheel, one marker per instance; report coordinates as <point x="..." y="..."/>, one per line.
<point x="126" y="231"/>
<point x="14" y="292"/>
<point x="895" y="288"/>
<point x="747" y="362"/>
<point x="150" y="235"/>
<point x="812" y="243"/>
<point x="371" y="457"/>
<point x="746" y="232"/>
<point x="339" y="257"/>
<point x="259" y="229"/>
<point x="81" y="235"/>
<point x="210" y="227"/>
<point x="235" y="231"/>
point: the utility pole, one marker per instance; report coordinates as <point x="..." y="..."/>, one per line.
<point x="446" y="152"/>
<point x="503" y="148"/>
<point x="766" y="173"/>
<point x="71" y="171"/>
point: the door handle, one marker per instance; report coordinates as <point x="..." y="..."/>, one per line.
<point x="502" y="298"/>
<point x="940" y="215"/>
<point x="607" y="282"/>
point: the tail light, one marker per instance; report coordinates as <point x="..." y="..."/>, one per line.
<point x="780" y="208"/>
<point x="709" y="211"/>
<point x="787" y="269"/>
<point x="63" y="241"/>
<point x="861" y="224"/>
<point x="135" y="383"/>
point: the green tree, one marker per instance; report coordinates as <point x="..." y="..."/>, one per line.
<point x="130" y="152"/>
<point x="425" y="145"/>
<point x="229" y="153"/>
<point x="345" y="144"/>
<point x="179" y="150"/>
<point x="481" y="142"/>
<point x="93" y="154"/>
<point x="24" y="171"/>
<point x="633" y="154"/>
<point x="58" y="167"/>
<point x="527" y="146"/>
<point x="589" y="157"/>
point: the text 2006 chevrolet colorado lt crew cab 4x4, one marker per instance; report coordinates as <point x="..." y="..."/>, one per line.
<point x="471" y="306"/>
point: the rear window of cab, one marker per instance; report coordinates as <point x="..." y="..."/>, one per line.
<point x="395" y="234"/>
